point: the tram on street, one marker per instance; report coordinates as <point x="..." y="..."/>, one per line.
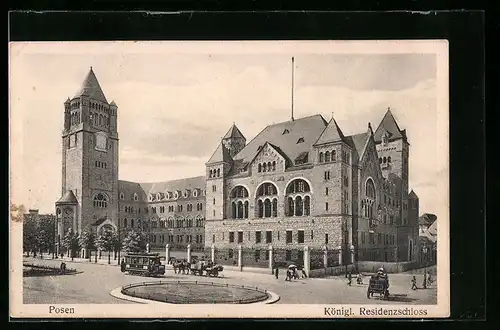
<point x="144" y="264"/>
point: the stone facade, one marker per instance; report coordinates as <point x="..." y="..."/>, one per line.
<point x="351" y="200"/>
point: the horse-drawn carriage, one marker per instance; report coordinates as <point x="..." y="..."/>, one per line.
<point x="210" y="269"/>
<point x="379" y="283"/>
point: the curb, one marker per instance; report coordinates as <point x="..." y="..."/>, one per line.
<point x="117" y="293"/>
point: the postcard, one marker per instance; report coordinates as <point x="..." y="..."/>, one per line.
<point x="282" y="179"/>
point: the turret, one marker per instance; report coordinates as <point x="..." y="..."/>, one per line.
<point x="67" y="114"/>
<point x="113" y="114"/>
<point x="234" y="141"/>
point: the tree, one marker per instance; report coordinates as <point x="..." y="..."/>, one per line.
<point x="29" y="235"/>
<point x="71" y="242"/>
<point x="45" y="233"/>
<point x="134" y="241"/>
<point x="106" y="241"/>
<point x="88" y="242"/>
<point x="17" y="212"/>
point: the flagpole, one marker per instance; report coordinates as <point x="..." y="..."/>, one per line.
<point x="293" y="67"/>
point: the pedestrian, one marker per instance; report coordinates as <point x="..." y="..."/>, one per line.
<point x="359" y="279"/>
<point x="414" y="283"/>
<point x="349" y="278"/>
<point x="304" y="275"/>
<point x="277" y="272"/>
<point x="122" y="265"/>
<point x="287" y="278"/>
<point x="430" y="280"/>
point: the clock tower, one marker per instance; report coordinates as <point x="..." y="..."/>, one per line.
<point x="89" y="161"/>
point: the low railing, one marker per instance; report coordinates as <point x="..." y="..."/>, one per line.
<point x="226" y="285"/>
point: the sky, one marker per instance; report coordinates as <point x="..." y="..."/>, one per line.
<point x="176" y="100"/>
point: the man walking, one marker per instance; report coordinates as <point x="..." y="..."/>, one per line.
<point x="276" y="273"/>
<point x="349" y="278"/>
<point x="414" y="283"/>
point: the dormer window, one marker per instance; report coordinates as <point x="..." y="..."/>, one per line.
<point x="186" y="194"/>
<point x="176" y="194"/>
<point x="385" y="138"/>
<point x="195" y="193"/>
<point x="136" y="197"/>
<point x="285" y="131"/>
<point x="300" y="140"/>
<point x="122" y="196"/>
<point x="168" y="195"/>
<point x="151" y="197"/>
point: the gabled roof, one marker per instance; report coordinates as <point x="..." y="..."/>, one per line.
<point x="388" y="124"/>
<point x="412" y="195"/>
<point x="332" y="133"/>
<point x="68" y="198"/>
<point x="433" y="229"/>
<point x="221" y="154"/>
<point x="197" y="182"/>
<point x="234" y="132"/>
<point x="308" y="128"/>
<point x="91" y="88"/>
<point x="358" y="143"/>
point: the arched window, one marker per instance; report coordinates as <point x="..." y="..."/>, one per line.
<point x="307" y="205"/>
<point x="100" y="120"/>
<point x="210" y="175"/>
<point x="298" y="186"/>
<point x="321" y="159"/>
<point x="259" y="168"/>
<point x="136" y="197"/>
<point x="290" y="207"/>
<point x="218" y="172"/>
<point x="264" y="167"/>
<point x="334" y="156"/>
<point x="299" y="206"/>
<point x="327" y="156"/>
<point x="239" y="192"/>
<point x="125" y="223"/>
<point x="389" y="159"/>
<point x="380" y="160"/>
<point x="260" y="209"/>
<point x="100" y="200"/>
<point x="267" y="208"/>
<point x="370" y="198"/>
<point x="269" y="166"/>
<point x="274" y="165"/>
<point x="239" y="197"/>
<point x="96" y="119"/>
<point x="384" y="160"/>
<point x="298" y="198"/>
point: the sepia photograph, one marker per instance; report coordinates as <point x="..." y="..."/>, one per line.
<point x="188" y="179"/>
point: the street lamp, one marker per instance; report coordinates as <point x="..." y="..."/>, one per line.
<point x="424" y="250"/>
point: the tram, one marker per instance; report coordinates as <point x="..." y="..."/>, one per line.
<point x="144" y="264"/>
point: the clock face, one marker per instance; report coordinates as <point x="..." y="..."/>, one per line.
<point x="101" y="141"/>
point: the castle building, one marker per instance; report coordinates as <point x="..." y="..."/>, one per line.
<point x="304" y="183"/>
<point x="92" y="196"/>
<point x="297" y="184"/>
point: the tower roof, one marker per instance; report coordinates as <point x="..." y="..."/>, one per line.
<point x="412" y="195"/>
<point x="221" y="154"/>
<point x="234" y="132"/>
<point x="332" y="133"/>
<point x="91" y="88"/>
<point x="388" y="124"/>
<point x="68" y="198"/>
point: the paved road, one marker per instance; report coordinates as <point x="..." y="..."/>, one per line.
<point x="97" y="280"/>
